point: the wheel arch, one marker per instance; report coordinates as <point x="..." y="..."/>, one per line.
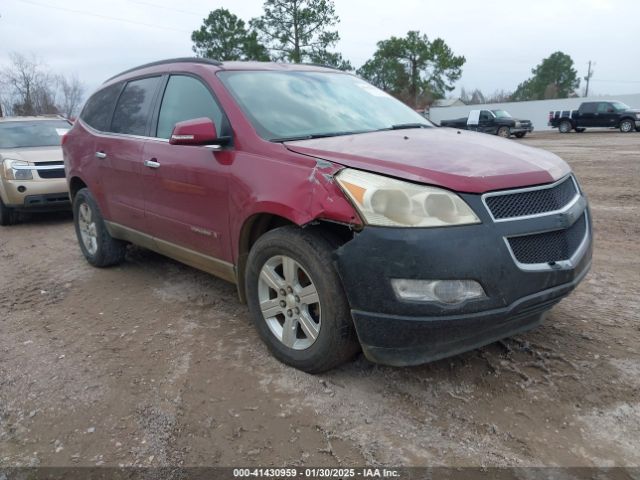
<point x="75" y="185"/>
<point x="260" y="223"/>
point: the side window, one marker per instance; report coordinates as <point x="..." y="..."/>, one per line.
<point x="186" y="98"/>
<point x="604" y="107"/>
<point x="484" y="116"/>
<point x="134" y="107"/>
<point x="98" y="109"/>
<point x="588" y="108"/>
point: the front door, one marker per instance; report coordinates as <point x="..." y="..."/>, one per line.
<point x="486" y="122"/>
<point x="606" y="115"/>
<point x="186" y="186"/>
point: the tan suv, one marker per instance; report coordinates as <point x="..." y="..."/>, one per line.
<point x="31" y="168"/>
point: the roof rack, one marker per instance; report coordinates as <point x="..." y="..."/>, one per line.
<point x="207" y="61"/>
<point x="311" y="64"/>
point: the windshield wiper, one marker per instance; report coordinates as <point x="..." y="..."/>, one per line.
<point x="404" y="126"/>
<point x="317" y="135"/>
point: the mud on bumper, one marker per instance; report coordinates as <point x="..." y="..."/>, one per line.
<point x="399" y="332"/>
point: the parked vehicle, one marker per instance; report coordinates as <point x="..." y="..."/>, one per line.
<point x="496" y="122"/>
<point x="344" y="218"/>
<point x="596" y="114"/>
<point x="32" y="171"/>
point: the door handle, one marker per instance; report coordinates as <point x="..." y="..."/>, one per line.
<point x="101" y="155"/>
<point x="151" y="164"/>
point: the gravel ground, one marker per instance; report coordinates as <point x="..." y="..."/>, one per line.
<point x="153" y="363"/>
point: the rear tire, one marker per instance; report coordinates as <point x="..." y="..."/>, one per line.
<point x="98" y="247"/>
<point x="297" y="302"/>
<point x="627" y="126"/>
<point x="565" y="126"/>
<point x="8" y="216"/>
<point x="504" y="132"/>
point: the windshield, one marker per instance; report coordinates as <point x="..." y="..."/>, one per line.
<point x="501" y="114"/>
<point x="36" y="133"/>
<point x="291" y="105"/>
<point x="620" y="107"/>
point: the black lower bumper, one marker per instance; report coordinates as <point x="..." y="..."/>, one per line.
<point x="46" y="202"/>
<point x="400" y="332"/>
<point x="401" y="341"/>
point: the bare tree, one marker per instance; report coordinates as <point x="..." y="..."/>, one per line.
<point x="29" y="86"/>
<point x="71" y="90"/>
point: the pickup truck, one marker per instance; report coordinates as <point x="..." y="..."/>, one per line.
<point x="496" y="122"/>
<point x="596" y="114"/>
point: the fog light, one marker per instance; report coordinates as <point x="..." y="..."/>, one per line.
<point x="442" y="291"/>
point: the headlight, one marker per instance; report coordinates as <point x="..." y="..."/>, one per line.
<point x="15" y="170"/>
<point x="388" y="202"/>
<point x="637" y="115"/>
<point x="518" y="125"/>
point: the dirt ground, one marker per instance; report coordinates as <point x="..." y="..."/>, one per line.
<point x="154" y="363"/>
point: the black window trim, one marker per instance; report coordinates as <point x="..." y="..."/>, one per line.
<point x="113" y="108"/>
<point x="151" y="110"/>
<point x="225" y="124"/>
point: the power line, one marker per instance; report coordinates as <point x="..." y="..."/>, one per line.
<point x="187" y="12"/>
<point x="615" y="81"/>
<point x="103" y="17"/>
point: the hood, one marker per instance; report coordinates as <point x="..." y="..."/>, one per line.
<point x="33" y="154"/>
<point x="458" y="160"/>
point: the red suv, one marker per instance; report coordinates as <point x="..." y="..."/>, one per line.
<point x="345" y="219"/>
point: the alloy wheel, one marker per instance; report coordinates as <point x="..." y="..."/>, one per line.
<point x="289" y="302"/>
<point x="87" y="227"/>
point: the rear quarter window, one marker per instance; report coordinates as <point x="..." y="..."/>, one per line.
<point x="98" y="109"/>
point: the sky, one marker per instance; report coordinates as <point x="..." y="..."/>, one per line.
<point x="502" y="41"/>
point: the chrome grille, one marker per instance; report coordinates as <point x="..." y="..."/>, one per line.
<point x="549" y="247"/>
<point x="532" y="201"/>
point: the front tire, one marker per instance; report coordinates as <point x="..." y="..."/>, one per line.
<point x="98" y="247"/>
<point x="627" y="126"/>
<point x="565" y="126"/>
<point x="520" y="134"/>
<point x="504" y="132"/>
<point x="8" y="216"/>
<point x="296" y="300"/>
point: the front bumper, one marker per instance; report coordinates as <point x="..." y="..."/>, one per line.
<point x="50" y="194"/>
<point x="524" y="129"/>
<point x="400" y="333"/>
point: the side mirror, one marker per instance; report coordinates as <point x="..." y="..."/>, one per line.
<point x="199" y="131"/>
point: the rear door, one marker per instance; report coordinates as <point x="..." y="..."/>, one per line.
<point x="473" y="120"/>
<point x="119" y="153"/>
<point x="186" y="189"/>
<point x="587" y="115"/>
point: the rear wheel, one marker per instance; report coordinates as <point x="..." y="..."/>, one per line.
<point x="8" y="216"/>
<point x="296" y="300"/>
<point x="627" y="125"/>
<point x="520" y="134"/>
<point x="504" y="132"/>
<point x="565" y="126"/>
<point x="99" y="248"/>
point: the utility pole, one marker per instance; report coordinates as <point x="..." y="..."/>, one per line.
<point x="587" y="78"/>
